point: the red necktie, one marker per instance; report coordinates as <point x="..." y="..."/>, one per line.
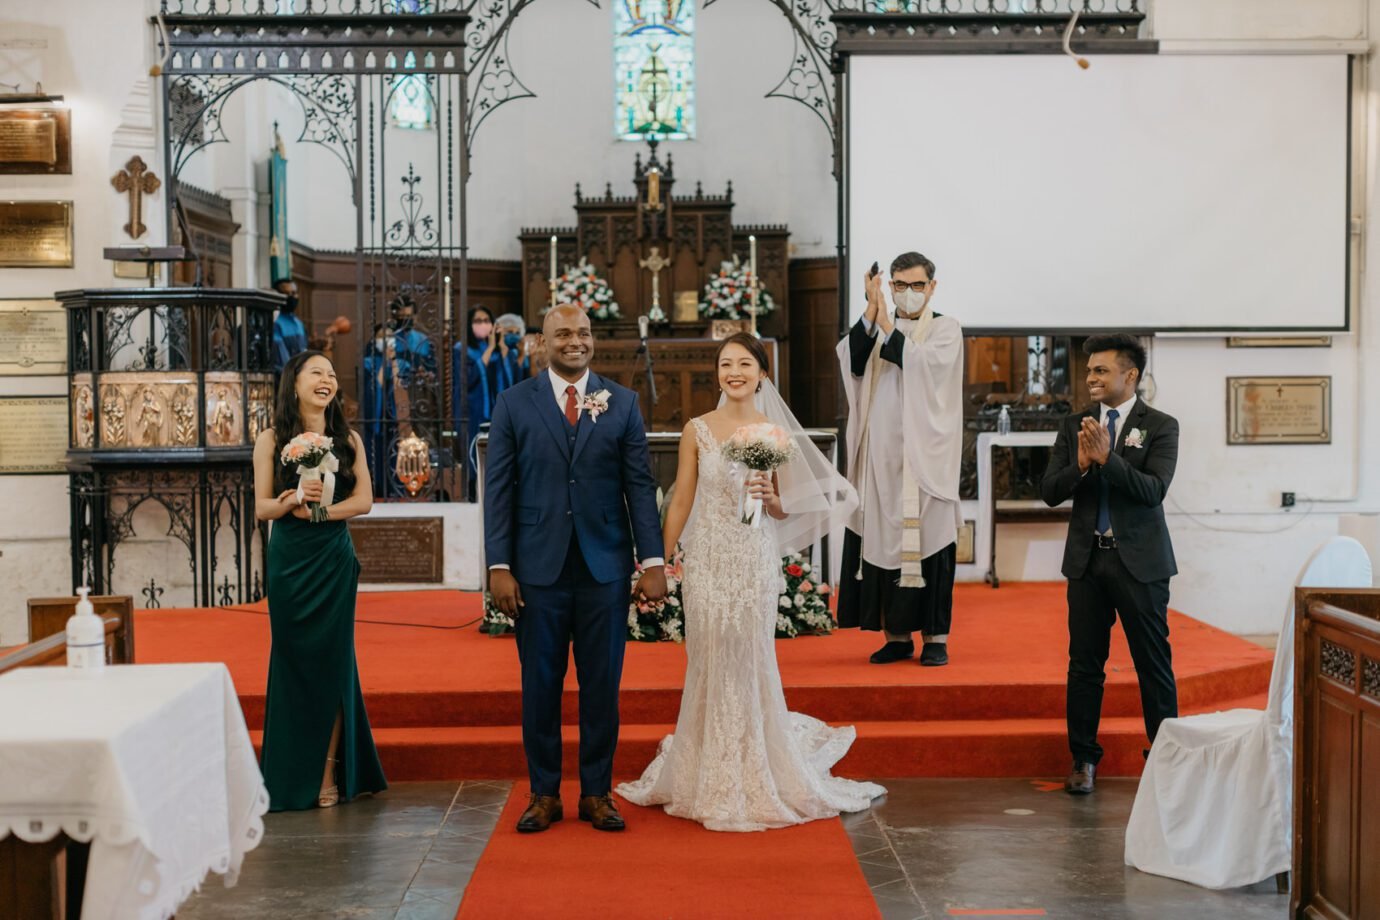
<point x="572" y="405"/>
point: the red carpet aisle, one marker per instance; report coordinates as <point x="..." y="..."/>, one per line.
<point x="665" y="868"/>
<point x="445" y="704"/>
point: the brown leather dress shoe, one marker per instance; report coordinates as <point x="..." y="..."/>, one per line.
<point x="1080" y="781"/>
<point x="542" y="811"/>
<point x="600" y="811"/>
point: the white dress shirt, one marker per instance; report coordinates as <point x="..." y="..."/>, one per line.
<point x="558" y="386"/>
<point x="1123" y="412"/>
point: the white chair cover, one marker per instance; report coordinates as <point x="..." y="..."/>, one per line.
<point x="1214" y="805"/>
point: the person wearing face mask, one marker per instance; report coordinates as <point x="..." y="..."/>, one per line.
<point x="903" y="378"/>
<point x="289" y="333"/>
<point x="509" y="328"/>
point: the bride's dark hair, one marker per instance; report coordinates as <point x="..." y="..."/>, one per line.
<point x="287" y="424"/>
<point x="752" y="343"/>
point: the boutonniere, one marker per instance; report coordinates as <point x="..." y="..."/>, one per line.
<point x="1135" y="437"/>
<point x="596" y="404"/>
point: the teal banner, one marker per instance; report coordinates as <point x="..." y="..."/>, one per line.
<point x="279" y="250"/>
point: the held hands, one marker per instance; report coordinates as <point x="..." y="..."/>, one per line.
<point x="506" y="593"/>
<point x="652" y="585"/>
<point x="312" y="490"/>
<point x="1094" y="444"/>
<point x="876" y="303"/>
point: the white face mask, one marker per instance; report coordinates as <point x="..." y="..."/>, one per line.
<point x="909" y="301"/>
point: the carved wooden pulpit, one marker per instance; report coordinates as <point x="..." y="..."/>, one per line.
<point x="657" y="244"/>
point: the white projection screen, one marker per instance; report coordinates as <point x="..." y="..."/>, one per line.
<point x="1149" y="192"/>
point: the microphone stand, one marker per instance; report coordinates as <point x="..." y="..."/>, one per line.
<point x="645" y="350"/>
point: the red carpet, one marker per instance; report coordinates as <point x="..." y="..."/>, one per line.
<point x="666" y="868"/>
<point x="445" y="704"/>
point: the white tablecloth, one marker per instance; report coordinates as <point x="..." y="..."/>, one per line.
<point x="150" y="763"/>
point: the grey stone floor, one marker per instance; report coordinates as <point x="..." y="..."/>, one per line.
<point x="931" y="849"/>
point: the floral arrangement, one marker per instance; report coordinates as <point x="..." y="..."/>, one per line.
<point x="728" y="295"/>
<point x="596" y="404"/>
<point x="761" y="448"/>
<point x="579" y="285"/>
<point x="311" y="452"/>
<point x="804" y="605"/>
<point x="803" y="609"/>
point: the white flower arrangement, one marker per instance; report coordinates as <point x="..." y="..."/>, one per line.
<point x="580" y="286"/>
<point x="728" y="295"/>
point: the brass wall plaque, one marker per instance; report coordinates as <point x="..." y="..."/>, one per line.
<point x="35" y="142"/>
<point x="400" y="550"/>
<point x="35" y="234"/>
<point x="1279" y="410"/>
<point x="33" y="434"/>
<point x="1279" y="341"/>
<point x="33" y="337"/>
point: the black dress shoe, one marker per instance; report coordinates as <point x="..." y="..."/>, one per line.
<point x="600" y="811"/>
<point x="934" y="654"/>
<point x="542" y="811"/>
<point x="893" y="651"/>
<point x="1080" y="781"/>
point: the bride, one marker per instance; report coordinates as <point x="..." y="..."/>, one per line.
<point x="739" y="760"/>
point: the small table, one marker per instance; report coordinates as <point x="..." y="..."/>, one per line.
<point x="152" y="764"/>
<point x="985" y="547"/>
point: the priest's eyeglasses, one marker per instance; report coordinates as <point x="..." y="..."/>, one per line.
<point x="916" y="286"/>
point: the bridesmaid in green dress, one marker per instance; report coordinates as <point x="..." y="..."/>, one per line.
<point x="317" y="745"/>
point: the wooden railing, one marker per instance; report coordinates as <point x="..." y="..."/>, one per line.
<point x="1336" y="754"/>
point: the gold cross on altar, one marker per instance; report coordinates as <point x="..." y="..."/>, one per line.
<point x="136" y="181"/>
<point x="654" y="263"/>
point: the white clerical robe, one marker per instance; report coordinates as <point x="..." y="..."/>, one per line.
<point x="915" y="417"/>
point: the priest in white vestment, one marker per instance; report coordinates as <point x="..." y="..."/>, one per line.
<point x="904" y="383"/>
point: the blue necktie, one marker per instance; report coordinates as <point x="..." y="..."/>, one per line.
<point x="1104" y="488"/>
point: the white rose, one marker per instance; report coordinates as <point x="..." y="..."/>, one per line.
<point x="805" y="568"/>
<point x="800" y="600"/>
<point x="785" y="603"/>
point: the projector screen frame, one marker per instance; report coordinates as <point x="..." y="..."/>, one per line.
<point x="1350" y="240"/>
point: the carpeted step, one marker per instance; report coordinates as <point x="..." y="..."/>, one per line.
<point x="935" y="748"/>
<point x="886" y="700"/>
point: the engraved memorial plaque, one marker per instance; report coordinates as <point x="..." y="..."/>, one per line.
<point x="33" y="337"/>
<point x="35" y="142"/>
<point x="35" y="234"/>
<point x="33" y="434"/>
<point x="400" y="550"/>
<point x="1279" y="410"/>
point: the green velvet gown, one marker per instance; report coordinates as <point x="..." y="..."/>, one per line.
<point x="313" y="577"/>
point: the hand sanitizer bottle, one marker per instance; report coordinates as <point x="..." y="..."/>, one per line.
<point x="1004" y="422"/>
<point x="85" y="637"/>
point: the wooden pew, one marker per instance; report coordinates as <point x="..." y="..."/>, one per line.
<point x="1336" y="754"/>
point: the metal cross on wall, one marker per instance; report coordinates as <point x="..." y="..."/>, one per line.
<point x="136" y="181"/>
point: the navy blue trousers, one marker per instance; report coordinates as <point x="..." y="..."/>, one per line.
<point x="595" y="617"/>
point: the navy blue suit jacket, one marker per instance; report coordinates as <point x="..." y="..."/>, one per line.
<point x="541" y="486"/>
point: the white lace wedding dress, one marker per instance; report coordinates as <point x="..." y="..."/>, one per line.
<point x="739" y="760"/>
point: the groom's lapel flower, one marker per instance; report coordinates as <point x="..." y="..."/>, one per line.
<point x="1135" y="437"/>
<point x="596" y="404"/>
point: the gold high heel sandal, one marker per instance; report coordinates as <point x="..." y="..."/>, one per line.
<point x="330" y="796"/>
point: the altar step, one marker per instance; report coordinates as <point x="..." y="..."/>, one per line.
<point x="936" y="748"/>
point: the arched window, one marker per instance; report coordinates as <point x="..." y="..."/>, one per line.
<point x="412" y="105"/>
<point x="654" y="69"/>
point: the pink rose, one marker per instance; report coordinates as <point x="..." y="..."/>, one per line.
<point x="806" y="586"/>
<point x="823" y="589"/>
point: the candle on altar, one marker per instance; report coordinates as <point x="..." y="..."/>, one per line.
<point x="653" y="189"/>
<point x="446" y="299"/>
<point x="752" y="275"/>
<point x="553" y="260"/>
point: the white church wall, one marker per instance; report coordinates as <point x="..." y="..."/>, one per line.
<point x="67" y="45"/>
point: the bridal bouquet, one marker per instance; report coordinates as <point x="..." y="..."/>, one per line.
<point x="312" y="454"/>
<point x="761" y="448"/>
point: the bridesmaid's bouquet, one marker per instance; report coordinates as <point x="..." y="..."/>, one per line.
<point x="312" y="454"/>
<point x="761" y="448"/>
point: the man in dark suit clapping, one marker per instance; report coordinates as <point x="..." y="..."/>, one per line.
<point x="1116" y="461"/>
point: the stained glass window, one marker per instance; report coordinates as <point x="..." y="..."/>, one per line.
<point x="412" y="105"/>
<point x="654" y="69"/>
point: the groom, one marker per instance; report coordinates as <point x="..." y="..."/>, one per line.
<point x="568" y="493"/>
